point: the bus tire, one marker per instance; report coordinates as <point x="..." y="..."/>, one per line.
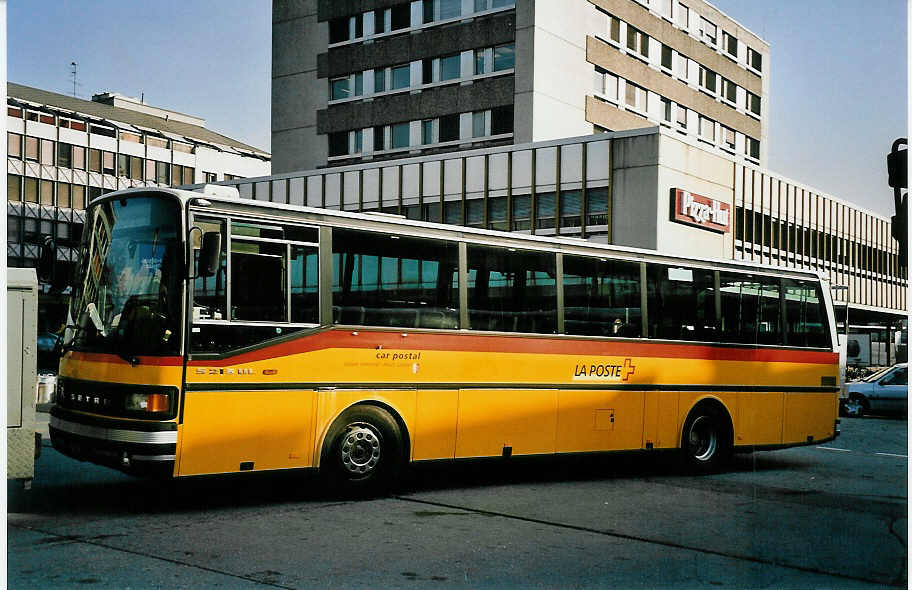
<point x="364" y="452"/>
<point x="706" y="440"/>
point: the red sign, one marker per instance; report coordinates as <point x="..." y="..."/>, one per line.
<point x="701" y="211"/>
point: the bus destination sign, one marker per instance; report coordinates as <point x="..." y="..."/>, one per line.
<point x="700" y="211"/>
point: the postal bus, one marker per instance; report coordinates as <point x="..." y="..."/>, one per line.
<point x="212" y="334"/>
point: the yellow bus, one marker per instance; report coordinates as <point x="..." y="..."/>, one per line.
<point x="212" y="334"/>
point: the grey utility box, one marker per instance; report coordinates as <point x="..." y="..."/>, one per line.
<point x="21" y="373"/>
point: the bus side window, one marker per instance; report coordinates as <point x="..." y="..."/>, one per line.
<point x="806" y="323"/>
<point x="602" y="297"/>
<point x="396" y="281"/>
<point x="681" y="303"/>
<point x="512" y="290"/>
<point x="209" y="293"/>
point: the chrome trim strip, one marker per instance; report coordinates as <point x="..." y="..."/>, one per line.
<point x="152" y="457"/>
<point x="113" y="434"/>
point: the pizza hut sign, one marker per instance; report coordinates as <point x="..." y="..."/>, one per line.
<point x="701" y="211"/>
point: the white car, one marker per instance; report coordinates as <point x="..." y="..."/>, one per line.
<point x="886" y="391"/>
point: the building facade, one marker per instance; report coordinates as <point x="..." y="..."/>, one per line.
<point x="650" y="188"/>
<point x="64" y="151"/>
<point x="380" y="79"/>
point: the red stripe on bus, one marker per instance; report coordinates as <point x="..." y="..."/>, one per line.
<point x="517" y="344"/>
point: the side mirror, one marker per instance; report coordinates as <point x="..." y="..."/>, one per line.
<point x="47" y="260"/>
<point x="210" y="254"/>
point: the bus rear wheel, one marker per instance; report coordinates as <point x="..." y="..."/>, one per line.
<point x="706" y="440"/>
<point x="363" y="452"/>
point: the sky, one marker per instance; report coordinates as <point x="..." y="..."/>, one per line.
<point x="838" y="72"/>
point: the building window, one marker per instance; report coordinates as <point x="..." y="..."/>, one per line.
<point x="448" y="128"/>
<point x="162" y="173"/>
<point x="13" y="187"/>
<point x="731" y="45"/>
<point x="753" y="103"/>
<point x="682" y="117"/>
<point x="752" y="148"/>
<point x="683" y="16"/>
<point x="728" y="137"/>
<point x="635" y="97"/>
<point x="94" y="160"/>
<point x="665" y="8"/>
<point x="47" y="152"/>
<point x="159" y="142"/>
<point x="136" y="167"/>
<point x="482" y="5"/>
<point x="614" y="29"/>
<point x="14" y="112"/>
<point x="123" y="165"/>
<point x="31" y="190"/>
<point x="131" y="137"/>
<point x="31" y="148"/>
<point x="427" y="131"/>
<point x="502" y="120"/>
<point x="666" y="56"/>
<point x="210" y="177"/>
<point x="482" y="61"/>
<point x="504" y="58"/>
<point x="400" y="17"/>
<point x="107" y="162"/>
<point x="399" y="134"/>
<point x="441" y="69"/>
<point x="99" y="130"/>
<point x="345" y="143"/>
<point x="47" y="192"/>
<point x="479" y="127"/>
<point x="708" y="79"/>
<point x="666" y="109"/>
<point x="14" y="145"/>
<point x="729" y="90"/>
<point x="345" y="28"/>
<point x="683" y="69"/>
<point x="346" y="87"/>
<point x="708" y="31"/>
<point x="707" y="129"/>
<point x="637" y="41"/>
<point x="178" y="146"/>
<point x="435" y="10"/>
<point x="79" y="157"/>
<point x="400" y="77"/>
<point x="64" y="155"/>
<point x="754" y="60"/>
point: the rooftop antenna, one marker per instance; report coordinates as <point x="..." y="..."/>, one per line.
<point x="73" y="65"/>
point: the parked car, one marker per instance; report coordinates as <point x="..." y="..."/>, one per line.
<point x="886" y="391"/>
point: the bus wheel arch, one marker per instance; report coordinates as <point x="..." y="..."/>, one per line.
<point x="364" y="449"/>
<point x="707" y="437"/>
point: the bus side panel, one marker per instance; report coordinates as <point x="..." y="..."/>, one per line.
<point x="489" y="420"/>
<point x="809" y="415"/>
<point x="226" y="431"/>
<point x="434" y="435"/>
<point x="599" y="421"/>
<point x="660" y="424"/>
<point x="759" y="419"/>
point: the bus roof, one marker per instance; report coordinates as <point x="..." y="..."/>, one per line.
<point x="389" y="222"/>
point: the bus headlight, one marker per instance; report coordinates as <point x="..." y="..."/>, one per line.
<point x="147" y="402"/>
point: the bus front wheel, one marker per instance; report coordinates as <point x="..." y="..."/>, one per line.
<point x="706" y="440"/>
<point x="363" y="452"/>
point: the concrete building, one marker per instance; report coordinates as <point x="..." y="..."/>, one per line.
<point x="64" y="151"/>
<point x="650" y="188"/>
<point x="378" y="79"/>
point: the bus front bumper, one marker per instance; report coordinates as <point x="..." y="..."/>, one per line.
<point x="135" y="447"/>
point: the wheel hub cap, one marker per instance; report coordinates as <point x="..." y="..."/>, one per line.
<point x="360" y="450"/>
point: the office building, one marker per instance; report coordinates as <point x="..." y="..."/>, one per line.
<point x="360" y="81"/>
<point x="63" y="151"/>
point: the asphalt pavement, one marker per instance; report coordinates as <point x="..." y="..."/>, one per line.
<point x="826" y="516"/>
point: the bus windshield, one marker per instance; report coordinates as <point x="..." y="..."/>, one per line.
<point x="126" y="293"/>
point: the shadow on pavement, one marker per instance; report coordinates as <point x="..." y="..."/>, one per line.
<point x="63" y="486"/>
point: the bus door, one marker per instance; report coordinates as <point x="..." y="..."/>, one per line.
<point x="246" y="405"/>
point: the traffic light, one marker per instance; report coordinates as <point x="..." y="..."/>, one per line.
<point x="898" y="178"/>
